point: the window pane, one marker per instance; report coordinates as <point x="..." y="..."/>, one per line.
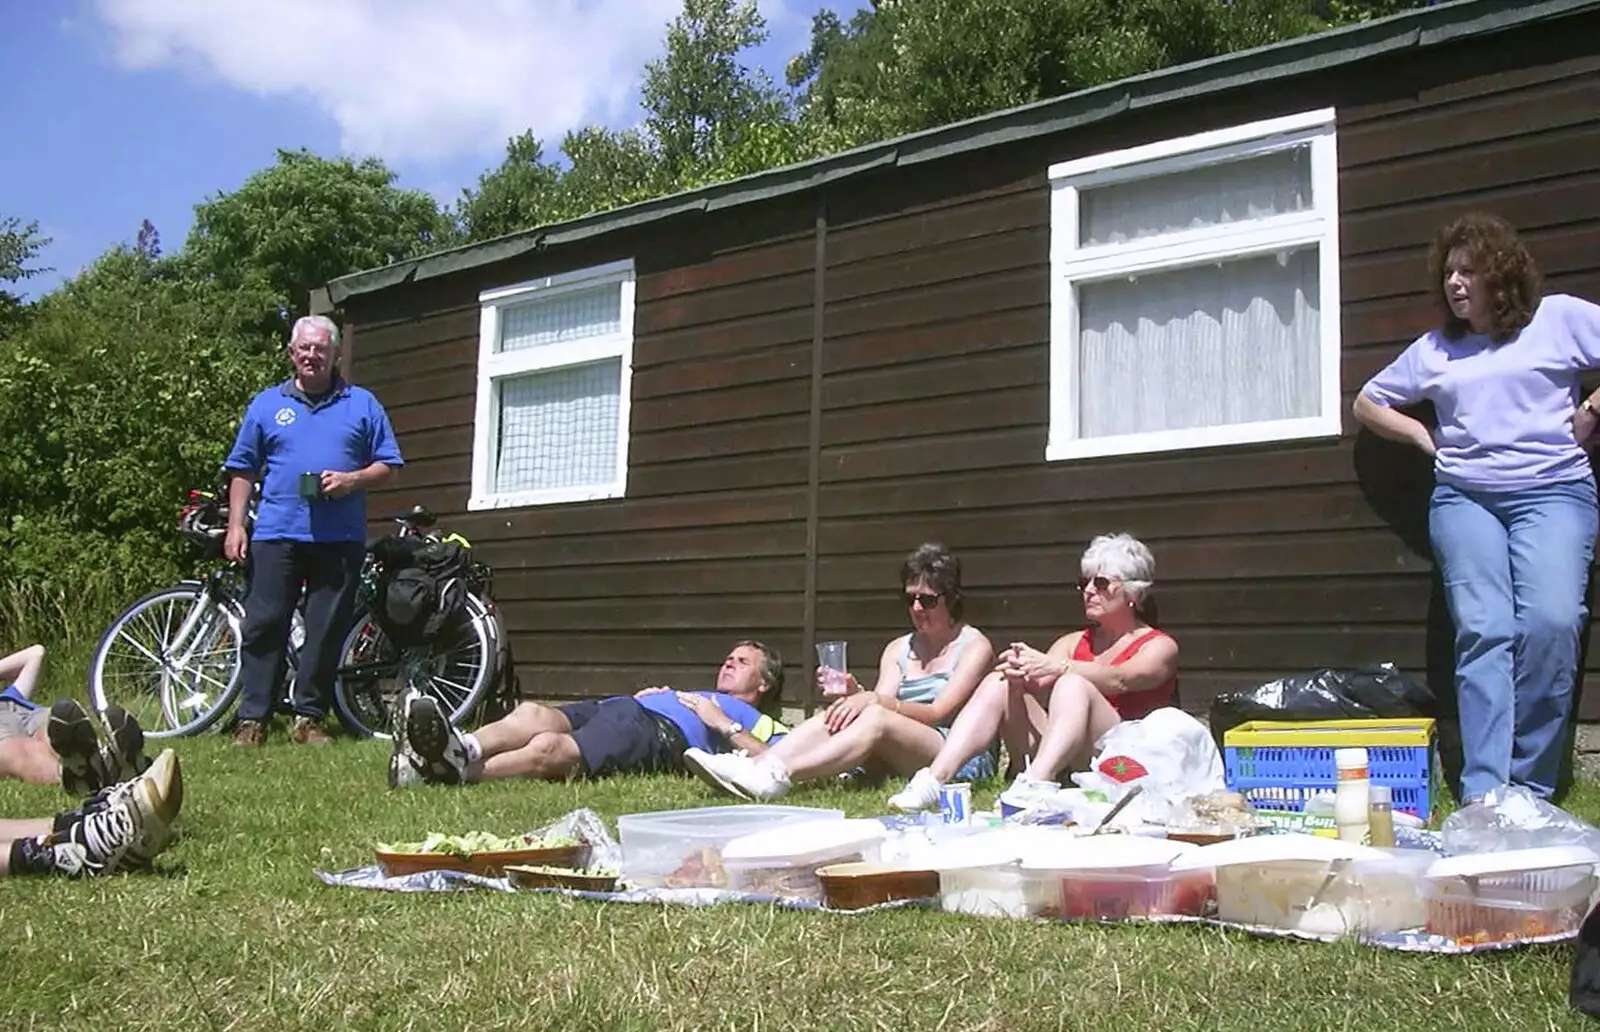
<point x="559" y="428"/>
<point x="561" y="317"/>
<point x="1212" y="195"/>
<point x="1214" y="345"/>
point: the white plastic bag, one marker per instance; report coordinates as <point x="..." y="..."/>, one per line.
<point x="1511" y="817"/>
<point x="1169" y="753"/>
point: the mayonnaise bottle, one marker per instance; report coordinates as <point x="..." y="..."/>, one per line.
<point x="1351" y="795"/>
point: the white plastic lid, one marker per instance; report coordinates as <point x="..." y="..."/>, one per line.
<point x="796" y="843"/>
<point x="1101" y="852"/>
<point x="988" y="849"/>
<point x="1350" y="757"/>
<point x="1265" y="849"/>
<point x="1515" y="861"/>
<point x="1381" y="794"/>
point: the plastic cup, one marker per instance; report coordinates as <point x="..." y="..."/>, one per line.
<point x="831" y="658"/>
<point x="955" y="803"/>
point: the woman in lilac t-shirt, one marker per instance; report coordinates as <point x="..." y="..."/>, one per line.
<point x="1512" y="515"/>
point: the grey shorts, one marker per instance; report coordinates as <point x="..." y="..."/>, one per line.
<point x="18" y="721"/>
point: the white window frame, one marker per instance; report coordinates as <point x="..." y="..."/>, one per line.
<point x="1072" y="265"/>
<point x="494" y="367"/>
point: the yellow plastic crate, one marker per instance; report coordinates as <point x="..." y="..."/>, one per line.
<point x="1278" y="764"/>
<point x="1331" y="734"/>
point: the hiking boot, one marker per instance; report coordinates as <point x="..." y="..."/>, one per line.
<point x="308" y="731"/>
<point x="250" y="733"/>
<point x="72" y="736"/>
<point x="438" y="747"/>
<point x="405" y="766"/>
<point x="920" y="793"/>
<point x="122" y="753"/>
<point x="738" y="774"/>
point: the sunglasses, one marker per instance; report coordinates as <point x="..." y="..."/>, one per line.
<point x="925" y="601"/>
<point x="1101" y="584"/>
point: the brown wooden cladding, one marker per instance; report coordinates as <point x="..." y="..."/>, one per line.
<point x="934" y="401"/>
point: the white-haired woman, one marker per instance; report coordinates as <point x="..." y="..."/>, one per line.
<point x="1051" y="707"/>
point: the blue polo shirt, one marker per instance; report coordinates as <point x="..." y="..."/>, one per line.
<point x="694" y="731"/>
<point x="284" y="433"/>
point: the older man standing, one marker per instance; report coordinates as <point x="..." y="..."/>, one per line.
<point x="315" y="443"/>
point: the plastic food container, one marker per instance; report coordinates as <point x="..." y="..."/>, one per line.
<point x="980" y="875"/>
<point x="1314" y="886"/>
<point x="783" y="861"/>
<point x="856" y="886"/>
<point x="1110" y="878"/>
<point x="1519" y="894"/>
<point x="683" y="848"/>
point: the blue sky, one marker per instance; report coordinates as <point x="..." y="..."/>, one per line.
<point x="139" y="109"/>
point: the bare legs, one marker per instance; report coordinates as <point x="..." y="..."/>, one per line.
<point x="1078" y="715"/>
<point x="532" y="741"/>
<point x="974" y="728"/>
<point x="878" y="736"/>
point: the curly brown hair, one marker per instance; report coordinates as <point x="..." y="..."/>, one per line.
<point x="1496" y="254"/>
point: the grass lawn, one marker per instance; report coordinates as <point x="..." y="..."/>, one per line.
<point x="236" y="933"/>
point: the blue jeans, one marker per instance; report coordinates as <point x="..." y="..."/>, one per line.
<point x="1515" y="566"/>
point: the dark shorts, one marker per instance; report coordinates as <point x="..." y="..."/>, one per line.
<point x="621" y="736"/>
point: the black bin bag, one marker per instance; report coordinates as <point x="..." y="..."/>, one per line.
<point x="1374" y="690"/>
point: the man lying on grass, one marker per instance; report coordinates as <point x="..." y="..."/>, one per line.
<point x="42" y="745"/>
<point x="647" y="731"/>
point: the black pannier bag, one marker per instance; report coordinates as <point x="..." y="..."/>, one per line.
<point x="422" y="590"/>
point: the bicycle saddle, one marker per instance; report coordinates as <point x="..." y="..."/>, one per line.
<point x="417" y="516"/>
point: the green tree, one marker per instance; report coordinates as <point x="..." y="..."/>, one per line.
<point x="907" y="65"/>
<point x="698" y="96"/>
<point x="520" y="192"/>
<point x="294" y="226"/>
<point x="708" y="117"/>
<point x="20" y="246"/>
<point x="123" y="390"/>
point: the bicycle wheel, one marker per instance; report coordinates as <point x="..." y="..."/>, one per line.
<point x="457" y="668"/>
<point x="171" y="659"/>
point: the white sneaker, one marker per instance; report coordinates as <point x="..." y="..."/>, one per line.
<point x="1025" y="792"/>
<point x="738" y="774"/>
<point x="920" y="793"/>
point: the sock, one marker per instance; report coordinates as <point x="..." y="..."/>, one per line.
<point x="474" y="748"/>
<point x="30" y="856"/>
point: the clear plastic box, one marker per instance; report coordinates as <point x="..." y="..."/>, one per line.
<point x="1117" y="893"/>
<point x="784" y="862"/>
<point x="1327" y="898"/>
<point x="1510" y="906"/>
<point x="996" y="891"/>
<point x="682" y="848"/>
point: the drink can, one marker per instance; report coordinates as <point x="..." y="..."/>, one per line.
<point x="955" y="803"/>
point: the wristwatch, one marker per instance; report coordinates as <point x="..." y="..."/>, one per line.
<point x="733" y="729"/>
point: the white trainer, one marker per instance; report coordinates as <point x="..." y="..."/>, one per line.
<point x="920" y="793"/>
<point x="738" y="775"/>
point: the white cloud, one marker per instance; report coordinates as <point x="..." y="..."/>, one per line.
<point x="413" y="79"/>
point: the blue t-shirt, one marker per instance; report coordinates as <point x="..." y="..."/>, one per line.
<point x="285" y="434"/>
<point x="694" y="731"/>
